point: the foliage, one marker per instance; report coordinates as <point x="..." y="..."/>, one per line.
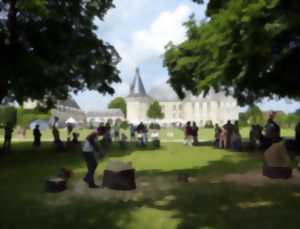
<point x="297" y="111"/>
<point x="255" y="115"/>
<point x="249" y="49"/>
<point x="25" y="117"/>
<point x="154" y="126"/>
<point x="243" y="119"/>
<point x="124" y="125"/>
<point x="50" y="48"/>
<point x="208" y="124"/>
<point x="8" y="114"/>
<point x="155" y="111"/>
<point x="287" y="120"/>
<point x="119" y="103"/>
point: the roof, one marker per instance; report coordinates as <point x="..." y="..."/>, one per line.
<point x="69" y="102"/>
<point x="165" y="93"/>
<point x="106" y="113"/>
<point x="137" y="88"/>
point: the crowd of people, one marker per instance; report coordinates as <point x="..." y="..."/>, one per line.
<point x="278" y="152"/>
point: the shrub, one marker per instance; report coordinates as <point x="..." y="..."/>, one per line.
<point x="154" y="126"/>
<point x="208" y="124"/>
<point x="124" y="125"/>
<point x="8" y="114"/>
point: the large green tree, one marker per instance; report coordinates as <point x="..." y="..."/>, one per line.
<point x="255" y="115"/>
<point x="118" y="103"/>
<point x="49" y="48"/>
<point x="155" y="111"/>
<point x="250" y="49"/>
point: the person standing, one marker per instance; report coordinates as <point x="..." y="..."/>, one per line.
<point x="218" y="131"/>
<point x="89" y="148"/>
<point x="56" y="135"/>
<point x="188" y="134"/>
<point x="37" y="136"/>
<point x="195" y="133"/>
<point x="132" y="133"/>
<point x="228" y="127"/>
<point x="8" y="130"/>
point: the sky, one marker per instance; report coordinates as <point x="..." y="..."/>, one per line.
<point x="140" y="30"/>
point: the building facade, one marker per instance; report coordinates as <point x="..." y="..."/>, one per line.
<point x="215" y="107"/>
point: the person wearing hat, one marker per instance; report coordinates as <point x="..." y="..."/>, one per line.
<point x="89" y="148"/>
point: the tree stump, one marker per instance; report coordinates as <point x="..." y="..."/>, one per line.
<point x="56" y="184"/>
<point x="119" y="176"/>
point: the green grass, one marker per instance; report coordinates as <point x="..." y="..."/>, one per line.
<point x="162" y="202"/>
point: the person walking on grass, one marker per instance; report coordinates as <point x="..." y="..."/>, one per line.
<point x="89" y="148"/>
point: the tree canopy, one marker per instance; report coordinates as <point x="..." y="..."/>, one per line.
<point x="49" y="48"/>
<point x="155" y="111"/>
<point x="119" y="103"/>
<point x="249" y="49"/>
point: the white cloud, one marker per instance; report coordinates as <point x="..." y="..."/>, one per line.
<point x="167" y="27"/>
<point x="150" y="42"/>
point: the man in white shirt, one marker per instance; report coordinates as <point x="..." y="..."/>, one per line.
<point x="89" y="147"/>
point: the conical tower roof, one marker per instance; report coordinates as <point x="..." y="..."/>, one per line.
<point x="137" y="88"/>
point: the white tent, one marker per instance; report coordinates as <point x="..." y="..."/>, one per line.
<point x="71" y="120"/>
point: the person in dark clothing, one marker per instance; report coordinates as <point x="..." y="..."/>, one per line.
<point x="218" y="131"/>
<point x="75" y="138"/>
<point x="188" y="132"/>
<point x="8" y="130"/>
<point x="37" y="136"/>
<point x="89" y="147"/>
<point x="195" y="133"/>
<point x="229" y="130"/>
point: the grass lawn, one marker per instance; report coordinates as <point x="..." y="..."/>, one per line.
<point x="160" y="201"/>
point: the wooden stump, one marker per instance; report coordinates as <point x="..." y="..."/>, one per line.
<point x="119" y="180"/>
<point x="277" y="172"/>
<point x="56" y="184"/>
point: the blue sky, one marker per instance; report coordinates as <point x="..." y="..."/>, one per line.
<point x="139" y="30"/>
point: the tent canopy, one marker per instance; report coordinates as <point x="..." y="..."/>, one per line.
<point x="71" y="120"/>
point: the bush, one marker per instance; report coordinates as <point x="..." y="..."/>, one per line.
<point x="8" y="114"/>
<point x="124" y="125"/>
<point x="154" y="126"/>
<point x="25" y="117"/>
<point x="208" y="124"/>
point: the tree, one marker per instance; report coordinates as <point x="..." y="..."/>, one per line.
<point x="255" y="115"/>
<point x="8" y="114"/>
<point x="118" y="103"/>
<point x="155" y="111"/>
<point x="297" y="112"/>
<point x="49" y="48"/>
<point x="249" y="49"/>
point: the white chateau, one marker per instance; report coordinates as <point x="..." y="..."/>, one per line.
<point x="215" y="107"/>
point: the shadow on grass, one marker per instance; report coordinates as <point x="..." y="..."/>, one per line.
<point x="201" y="204"/>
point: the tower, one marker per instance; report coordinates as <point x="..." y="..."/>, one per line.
<point x="137" y="101"/>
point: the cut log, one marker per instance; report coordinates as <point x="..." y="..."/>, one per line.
<point x="56" y="184"/>
<point x="120" y="180"/>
